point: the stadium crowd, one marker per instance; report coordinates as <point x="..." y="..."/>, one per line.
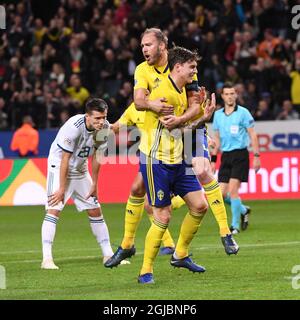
<point x="55" y="54"/>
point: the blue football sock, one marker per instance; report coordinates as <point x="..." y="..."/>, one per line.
<point x="228" y="201"/>
<point x="236" y="209"/>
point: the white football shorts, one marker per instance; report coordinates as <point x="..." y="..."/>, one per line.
<point x="77" y="188"/>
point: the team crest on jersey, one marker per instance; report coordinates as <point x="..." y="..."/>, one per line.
<point x="68" y="141"/>
<point x="160" y="194"/>
<point x="156" y="83"/>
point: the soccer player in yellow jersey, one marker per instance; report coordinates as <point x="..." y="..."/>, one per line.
<point x="133" y="117"/>
<point x="164" y="170"/>
<point x="199" y="155"/>
<point x="147" y="76"/>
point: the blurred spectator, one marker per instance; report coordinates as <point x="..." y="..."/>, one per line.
<point x="232" y="75"/>
<point x="266" y="48"/>
<point x="251" y="98"/>
<point x="39" y="31"/>
<point x="50" y="56"/>
<point x="25" y="81"/>
<point x="121" y="101"/>
<point x="22" y="105"/>
<point x="58" y="74"/>
<point x="287" y="112"/>
<point x="63" y="116"/>
<point x="263" y="111"/>
<point x="75" y="60"/>
<point x="12" y="75"/>
<point x="261" y="75"/>
<point x="295" y="87"/>
<point x="77" y="92"/>
<point x="228" y="18"/>
<point x="121" y="12"/>
<point x="26" y="139"/>
<point x="35" y="61"/>
<point x="109" y="74"/>
<point x="3" y="115"/>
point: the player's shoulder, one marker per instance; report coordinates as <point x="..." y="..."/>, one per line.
<point x="78" y="118"/>
<point x="243" y="110"/>
<point x="130" y="108"/>
<point x="142" y="66"/>
<point x="75" y="122"/>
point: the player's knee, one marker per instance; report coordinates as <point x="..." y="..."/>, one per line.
<point x="201" y="208"/>
<point x="53" y="212"/>
<point x="163" y="216"/>
<point x="138" y="190"/>
<point x="165" y="219"/>
<point x="95" y="213"/>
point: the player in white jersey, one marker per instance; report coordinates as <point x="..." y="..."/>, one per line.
<point x="68" y="176"/>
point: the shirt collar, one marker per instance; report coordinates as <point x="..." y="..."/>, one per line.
<point x="235" y="108"/>
<point x="88" y="130"/>
<point x="174" y="85"/>
<point x="164" y="70"/>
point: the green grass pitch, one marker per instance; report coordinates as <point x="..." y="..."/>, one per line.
<point x="262" y="269"/>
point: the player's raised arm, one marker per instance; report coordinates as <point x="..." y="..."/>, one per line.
<point x="209" y="109"/>
<point x="115" y="127"/>
<point x="196" y="97"/>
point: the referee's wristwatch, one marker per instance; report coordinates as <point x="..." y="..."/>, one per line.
<point x="257" y="155"/>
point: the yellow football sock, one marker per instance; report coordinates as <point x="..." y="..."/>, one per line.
<point x="188" y="229"/>
<point x="177" y="202"/>
<point x="152" y="244"/>
<point x="167" y="239"/>
<point x="216" y="203"/>
<point x="133" y="215"/>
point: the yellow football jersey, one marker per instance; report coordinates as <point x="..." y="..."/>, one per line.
<point x="149" y="77"/>
<point x="157" y="142"/>
<point x="132" y="117"/>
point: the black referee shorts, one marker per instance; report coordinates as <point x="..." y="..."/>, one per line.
<point x="234" y="164"/>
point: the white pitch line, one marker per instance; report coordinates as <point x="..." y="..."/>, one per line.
<point x="205" y="247"/>
<point x="257" y="245"/>
<point x="57" y="259"/>
<point x="38" y="251"/>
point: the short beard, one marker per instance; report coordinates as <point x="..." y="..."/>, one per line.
<point x="156" y="57"/>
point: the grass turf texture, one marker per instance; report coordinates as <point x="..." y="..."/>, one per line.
<point x="262" y="269"/>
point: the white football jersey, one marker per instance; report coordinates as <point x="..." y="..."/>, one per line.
<point x="74" y="137"/>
